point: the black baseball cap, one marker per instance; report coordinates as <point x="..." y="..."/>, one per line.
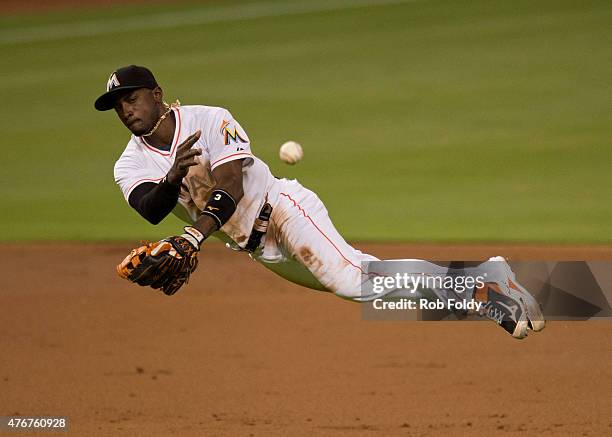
<point x="125" y="78"/>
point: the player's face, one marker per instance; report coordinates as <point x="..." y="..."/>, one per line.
<point x="138" y="110"/>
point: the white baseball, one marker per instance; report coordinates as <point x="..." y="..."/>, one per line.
<point x="291" y="152"/>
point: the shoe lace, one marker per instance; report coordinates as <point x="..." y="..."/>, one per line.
<point x="494" y="313"/>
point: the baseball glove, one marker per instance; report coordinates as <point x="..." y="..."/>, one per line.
<point x="166" y="264"/>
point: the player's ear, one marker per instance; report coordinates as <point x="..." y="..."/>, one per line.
<point x="158" y="95"/>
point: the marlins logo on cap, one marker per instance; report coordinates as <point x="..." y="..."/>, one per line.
<point x="131" y="77"/>
<point x="112" y="82"/>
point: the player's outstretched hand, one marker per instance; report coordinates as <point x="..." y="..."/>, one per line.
<point x="185" y="158"/>
<point x="166" y="264"/>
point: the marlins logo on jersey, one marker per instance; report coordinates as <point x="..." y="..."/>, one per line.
<point x="231" y="133"/>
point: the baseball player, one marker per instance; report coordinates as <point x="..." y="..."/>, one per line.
<point x="196" y="162"/>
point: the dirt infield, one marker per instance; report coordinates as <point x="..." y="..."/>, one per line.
<point x="240" y="352"/>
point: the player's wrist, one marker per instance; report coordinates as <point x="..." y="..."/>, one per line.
<point x="194" y="236"/>
<point x="171" y="180"/>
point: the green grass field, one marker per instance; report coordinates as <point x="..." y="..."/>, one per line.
<point x="427" y="120"/>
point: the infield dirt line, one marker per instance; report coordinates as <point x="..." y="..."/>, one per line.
<point x="383" y="250"/>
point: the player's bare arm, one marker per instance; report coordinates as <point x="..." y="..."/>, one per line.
<point x="225" y="197"/>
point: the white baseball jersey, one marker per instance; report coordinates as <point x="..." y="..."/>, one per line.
<point x="300" y="231"/>
<point x="222" y="140"/>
